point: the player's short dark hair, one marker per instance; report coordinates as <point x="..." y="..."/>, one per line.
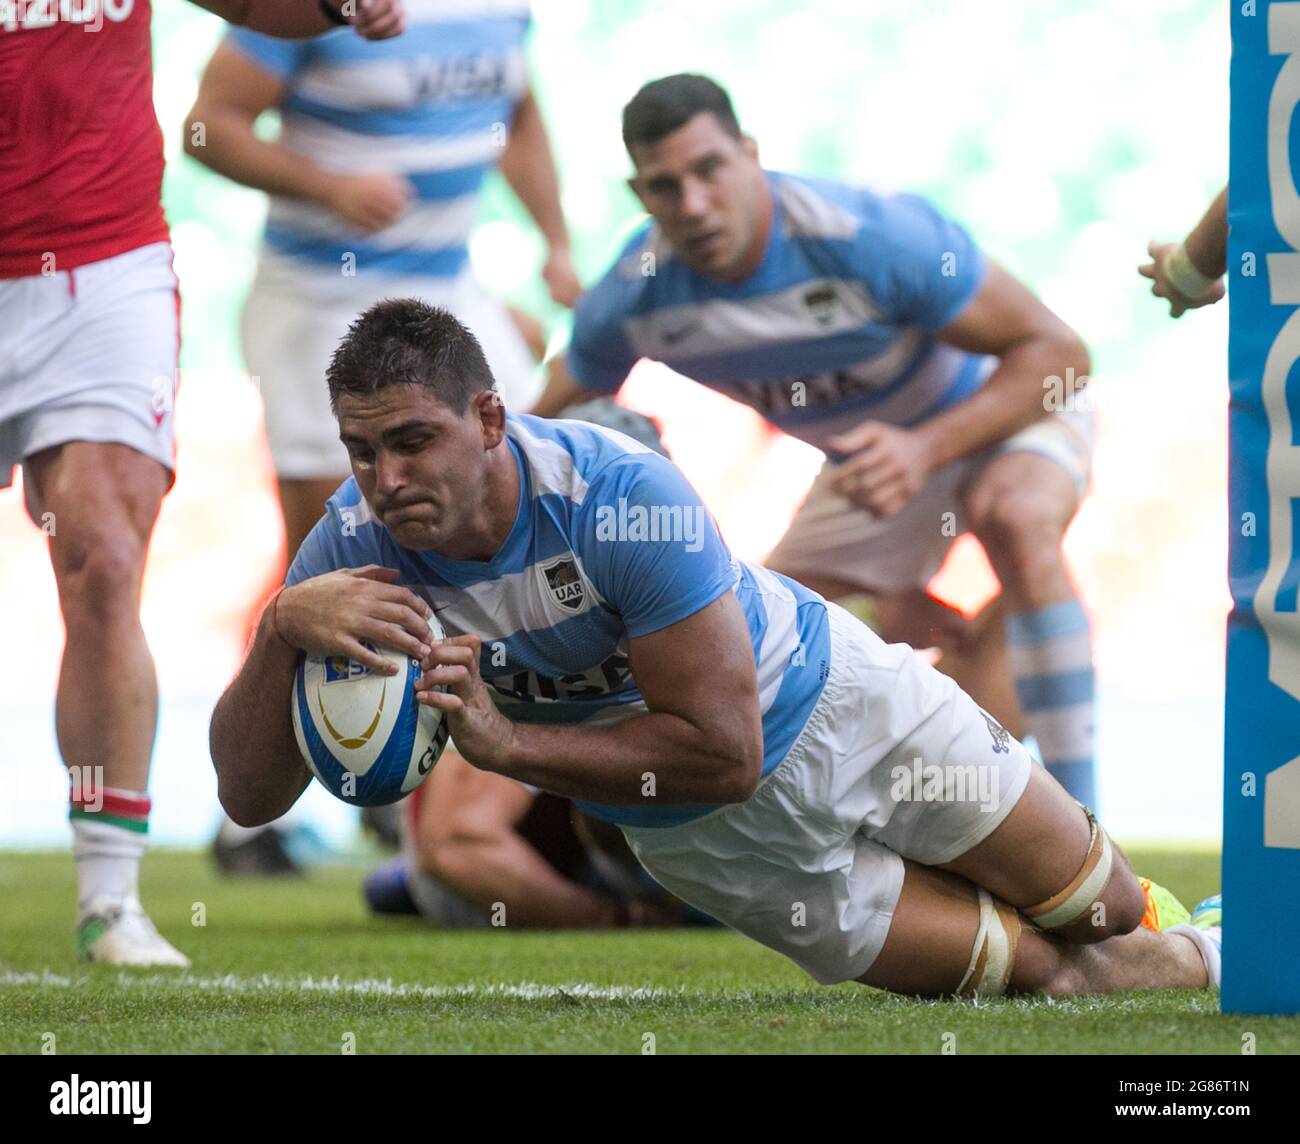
<point x="663" y="105"/>
<point x="403" y="341"/>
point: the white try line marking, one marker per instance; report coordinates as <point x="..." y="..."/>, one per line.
<point x="368" y="986"/>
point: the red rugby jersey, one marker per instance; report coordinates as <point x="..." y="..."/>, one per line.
<point x="81" y="152"/>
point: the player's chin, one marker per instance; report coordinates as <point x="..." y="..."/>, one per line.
<point x="712" y="264"/>
<point x="415" y="533"/>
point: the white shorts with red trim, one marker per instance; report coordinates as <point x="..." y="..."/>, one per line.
<point x="90" y="355"/>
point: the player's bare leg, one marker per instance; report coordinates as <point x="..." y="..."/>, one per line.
<point x="466" y="836"/>
<point x="932" y="939"/>
<point x="302" y="503"/>
<point x="1049" y="827"/>
<point x="262" y="850"/>
<point x="1020" y="505"/>
<point x="105" y="499"/>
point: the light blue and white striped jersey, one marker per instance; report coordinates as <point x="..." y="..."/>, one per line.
<point x="834" y="328"/>
<point x="432" y="104"/>
<point x="610" y="543"/>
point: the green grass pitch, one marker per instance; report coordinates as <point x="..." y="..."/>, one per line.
<point x="299" y="967"/>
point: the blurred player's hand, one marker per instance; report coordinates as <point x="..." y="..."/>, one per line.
<point x="1162" y="287"/>
<point x="378" y="19"/>
<point x="888" y="466"/>
<point x="481" y="733"/>
<point x="370" y="203"/>
<point x="332" y="614"/>
<point x="560" y="277"/>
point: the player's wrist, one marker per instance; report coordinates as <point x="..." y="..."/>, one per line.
<point x="334" y="13"/>
<point x="272" y="623"/>
<point x="504" y="757"/>
<point x="1184" y="276"/>
<point x="928" y="447"/>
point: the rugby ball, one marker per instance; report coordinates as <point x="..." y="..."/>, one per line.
<point x="362" y="734"/>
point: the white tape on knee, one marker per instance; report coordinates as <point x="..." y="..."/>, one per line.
<point x="991" y="955"/>
<point x="1078" y="897"/>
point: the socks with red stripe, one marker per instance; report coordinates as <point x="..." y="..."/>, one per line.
<point x="109" y="835"/>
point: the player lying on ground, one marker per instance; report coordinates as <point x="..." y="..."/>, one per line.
<point x="875" y="329"/>
<point x="479" y="849"/>
<point x="89" y="346"/>
<point x="771" y="761"/>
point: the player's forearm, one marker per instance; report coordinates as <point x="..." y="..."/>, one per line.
<point x="1207" y="244"/>
<point x="225" y="142"/>
<point x="529" y="167"/>
<point x="287" y="19"/>
<point x="259" y="771"/>
<point x="1012" y="398"/>
<point x="656" y="758"/>
<point x="506" y="869"/>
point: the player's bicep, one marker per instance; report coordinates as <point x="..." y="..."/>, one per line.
<point x="1003" y="313"/>
<point x="235" y="81"/>
<point x="701" y="669"/>
<point x="922" y="267"/>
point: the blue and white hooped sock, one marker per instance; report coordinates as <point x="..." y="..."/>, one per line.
<point x="1050" y="651"/>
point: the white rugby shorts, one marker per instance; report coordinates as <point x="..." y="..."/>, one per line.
<point x="90" y="354"/>
<point x="895" y="761"/>
<point x="291" y="327"/>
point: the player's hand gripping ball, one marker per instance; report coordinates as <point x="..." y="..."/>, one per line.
<point x="362" y="733"/>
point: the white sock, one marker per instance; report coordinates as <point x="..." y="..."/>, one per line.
<point x="108" y="861"/>
<point x="232" y="834"/>
<point x="1209" y="950"/>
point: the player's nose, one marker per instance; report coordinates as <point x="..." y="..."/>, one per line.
<point x="389" y="476"/>
<point x="695" y="202"/>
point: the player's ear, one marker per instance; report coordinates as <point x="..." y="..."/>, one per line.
<point x="749" y="145"/>
<point x="637" y="188"/>
<point x="491" y="412"/>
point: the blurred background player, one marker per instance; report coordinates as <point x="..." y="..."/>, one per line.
<point x="1189" y="274"/>
<point x="873" y="328"/>
<point x="88" y="358"/>
<point x="477" y="844"/>
<point x="374" y="183"/>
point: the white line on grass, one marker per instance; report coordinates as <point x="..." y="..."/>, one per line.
<point x="233" y="983"/>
